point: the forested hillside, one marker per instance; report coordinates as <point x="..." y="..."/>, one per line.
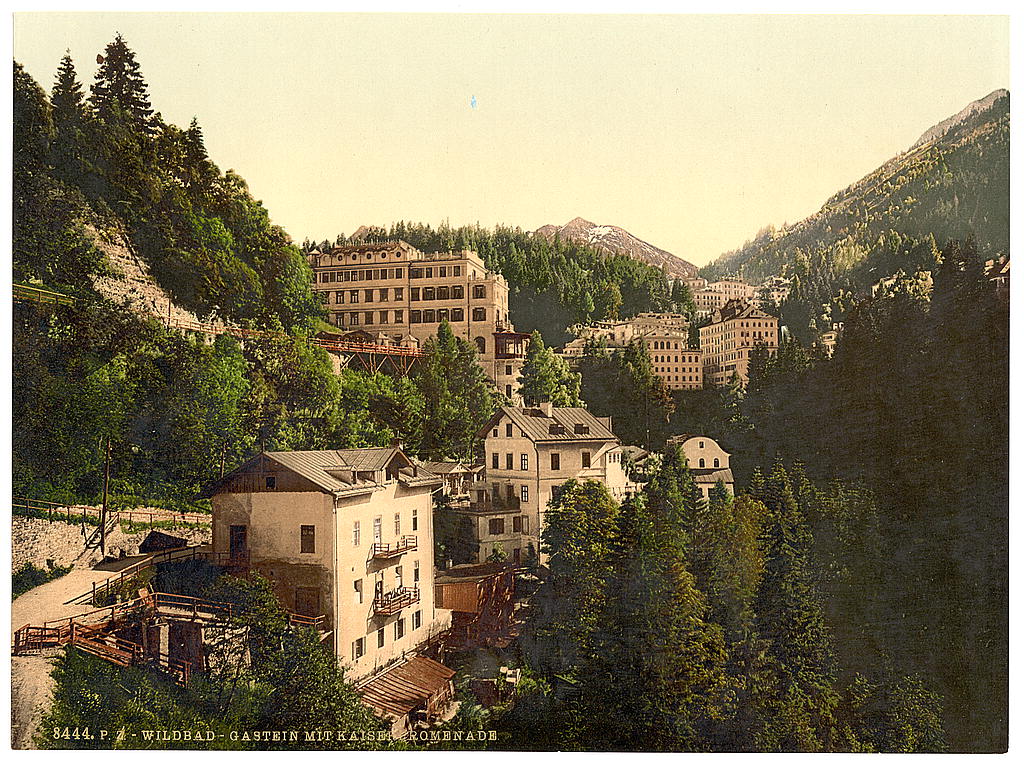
<point x="953" y="185"/>
<point x="553" y="283"/>
<point x="177" y="411"/>
<point x="109" y="162"/>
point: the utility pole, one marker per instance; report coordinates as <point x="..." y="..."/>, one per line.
<point x="103" y="509"/>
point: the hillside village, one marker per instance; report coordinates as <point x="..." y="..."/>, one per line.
<point x="507" y="489"/>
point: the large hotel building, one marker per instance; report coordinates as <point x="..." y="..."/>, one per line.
<point x="727" y="342"/>
<point x="395" y="292"/>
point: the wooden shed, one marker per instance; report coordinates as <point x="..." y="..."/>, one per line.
<point x="481" y="600"/>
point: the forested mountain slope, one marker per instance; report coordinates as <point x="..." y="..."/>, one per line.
<point x="128" y="216"/>
<point x="952" y="184"/>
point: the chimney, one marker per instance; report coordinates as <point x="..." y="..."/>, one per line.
<point x="546" y="408"/>
<point x="397" y="443"/>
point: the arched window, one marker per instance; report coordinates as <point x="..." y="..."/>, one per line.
<point x="716" y="463"/>
<point x="701" y="462"/>
<point x="481" y="345"/>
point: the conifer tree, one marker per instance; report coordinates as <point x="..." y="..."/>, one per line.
<point x="67" y="98"/>
<point x="796" y="714"/>
<point x="458" y="397"/>
<point x="119" y="91"/>
<point x="659" y="653"/>
<point x="579" y="526"/>
<point x="546" y="377"/>
<point x="69" y="118"/>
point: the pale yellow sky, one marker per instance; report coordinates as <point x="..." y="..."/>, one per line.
<point x="692" y="132"/>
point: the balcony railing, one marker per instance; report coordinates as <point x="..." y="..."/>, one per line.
<point x="501" y="504"/>
<point x="394" y="601"/>
<point x="384" y="551"/>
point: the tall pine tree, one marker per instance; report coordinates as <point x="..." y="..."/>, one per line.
<point x="119" y="91"/>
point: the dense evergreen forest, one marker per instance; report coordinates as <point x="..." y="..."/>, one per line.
<point x="907" y="426"/>
<point x="552" y="284"/>
<point x="852" y="596"/>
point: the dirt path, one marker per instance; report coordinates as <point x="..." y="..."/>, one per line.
<point x="30" y="674"/>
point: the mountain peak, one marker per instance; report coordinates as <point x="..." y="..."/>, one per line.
<point x="615" y="240"/>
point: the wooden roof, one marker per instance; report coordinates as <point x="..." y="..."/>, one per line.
<point x="405" y="687"/>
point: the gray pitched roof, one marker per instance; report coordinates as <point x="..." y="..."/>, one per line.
<point x="712" y="476"/>
<point x="537" y="426"/>
<point x="444" y="468"/>
<point x="335" y="471"/>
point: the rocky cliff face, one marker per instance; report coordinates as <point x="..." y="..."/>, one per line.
<point x="128" y="281"/>
<point x="617" y="240"/>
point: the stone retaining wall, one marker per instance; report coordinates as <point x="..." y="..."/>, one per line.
<point x="36" y="541"/>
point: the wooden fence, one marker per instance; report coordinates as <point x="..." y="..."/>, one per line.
<point x="75" y="512"/>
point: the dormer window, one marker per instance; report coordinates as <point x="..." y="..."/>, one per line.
<point x="556" y="429"/>
<point x="581" y="429"/>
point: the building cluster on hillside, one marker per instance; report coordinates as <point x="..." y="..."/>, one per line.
<point x="393" y="293"/>
<point x="735" y="322"/>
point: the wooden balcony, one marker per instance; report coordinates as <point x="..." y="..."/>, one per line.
<point x="394" y="601"/>
<point x="387" y="551"/>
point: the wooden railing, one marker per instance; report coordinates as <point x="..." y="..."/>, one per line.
<point x="307" y="621"/>
<point x="45" y="296"/>
<point x="65" y="512"/>
<point x="405" y="544"/>
<point x="394" y="601"/>
<point x="102" y="588"/>
<point x="42" y="296"/>
<point x="91" y="634"/>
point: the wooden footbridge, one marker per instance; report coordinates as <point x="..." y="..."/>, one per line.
<point x="370" y="356"/>
<point x="97" y="631"/>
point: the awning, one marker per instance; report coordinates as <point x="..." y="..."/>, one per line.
<point x="417" y="682"/>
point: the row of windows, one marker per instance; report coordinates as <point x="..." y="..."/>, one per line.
<point x="520" y="523"/>
<point x="675" y="377"/>
<point x="444" y="314"/>
<point x="382" y="316"/>
<point x="378" y="525"/>
<point x="664" y="345"/>
<point x="676" y="359"/>
<point x="370" y="274"/>
<point x="437" y="293"/>
<point x="428" y="272"/>
<point x="702" y="463"/>
<point x="524" y="461"/>
<point x="368" y="296"/>
<point x="359" y="646"/>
